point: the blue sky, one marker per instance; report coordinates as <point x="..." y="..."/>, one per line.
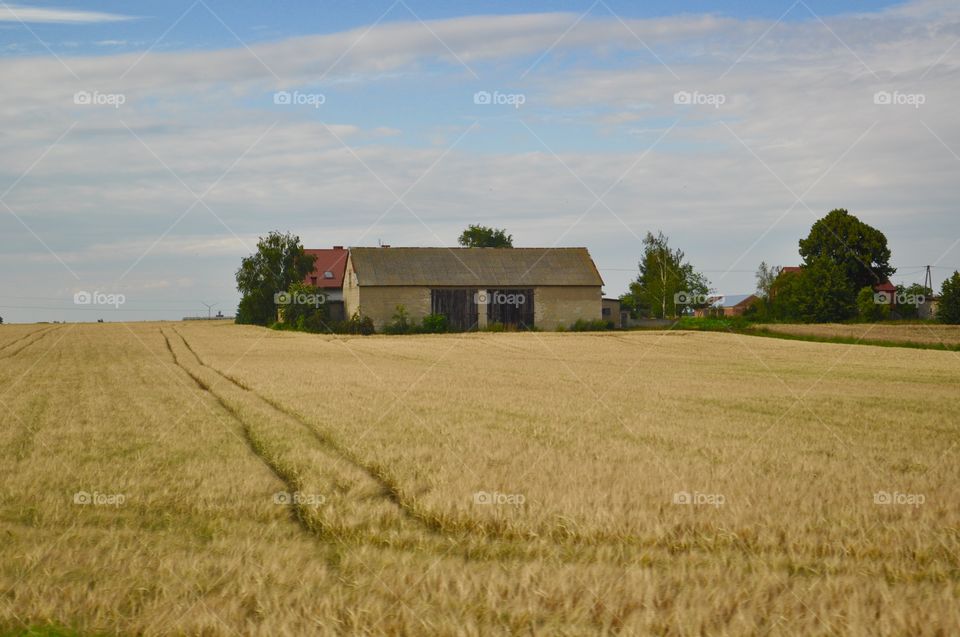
<point x="158" y="197"/>
<point x="260" y="21"/>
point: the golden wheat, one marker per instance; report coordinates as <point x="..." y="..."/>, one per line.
<point x="219" y="479"/>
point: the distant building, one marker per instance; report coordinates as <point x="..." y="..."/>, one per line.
<point x="727" y="305"/>
<point x="610" y="311"/>
<point x="329" y="267"/>
<point x="474" y="287"/>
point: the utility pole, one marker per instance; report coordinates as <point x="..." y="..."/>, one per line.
<point x="928" y="280"/>
<point x="210" y="307"/>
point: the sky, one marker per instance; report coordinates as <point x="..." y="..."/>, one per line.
<point x="146" y="146"/>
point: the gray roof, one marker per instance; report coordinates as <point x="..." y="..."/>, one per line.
<point x="475" y="267"/>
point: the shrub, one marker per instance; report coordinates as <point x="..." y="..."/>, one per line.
<point x="356" y="324"/>
<point x="597" y="325"/>
<point x="400" y="323"/>
<point x="434" y="324"/>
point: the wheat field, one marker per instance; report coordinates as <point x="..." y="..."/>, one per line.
<point x="208" y="478"/>
<point x="947" y="336"/>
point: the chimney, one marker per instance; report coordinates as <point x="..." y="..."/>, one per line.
<point x="338" y="247"/>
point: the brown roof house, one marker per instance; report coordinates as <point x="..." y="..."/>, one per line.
<point x="474" y="287"/>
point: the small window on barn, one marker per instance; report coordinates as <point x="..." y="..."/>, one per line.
<point x="606" y="311"/>
<point x="328" y="274"/>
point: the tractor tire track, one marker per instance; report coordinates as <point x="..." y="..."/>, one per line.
<point x="387" y="486"/>
<point x="39" y="334"/>
<point x="291" y="482"/>
<point x="448" y="535"/>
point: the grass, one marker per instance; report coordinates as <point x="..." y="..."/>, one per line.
<point x="278" y="482"/>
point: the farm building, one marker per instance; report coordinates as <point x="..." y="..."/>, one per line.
<point x="726" y="305"/>
<point x="611" y="312"/>
<point x="327" y="275"/>
<point x="474" y="287"/>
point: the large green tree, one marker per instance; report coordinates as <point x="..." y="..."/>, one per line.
<point x="476" y="236"/>
<point x="860" y="250"/>
<point x="823" y="293"/>
<point x="666" y="284"/>
<point x="948" y="309"/>
<point x="278" y="262"/>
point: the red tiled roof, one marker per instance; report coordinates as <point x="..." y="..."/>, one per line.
<point x="791" y="268"/>
<point x="333" y="260"/>
<point x="886" y="286"/>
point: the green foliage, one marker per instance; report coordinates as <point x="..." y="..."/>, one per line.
<point x="860" y="250"/>
<point x="400" y="322"/>
<point x="631" y="303"/>
<point x="596" y="325"/>
<point x="908" y="300"/>
<point x="430" y="324"/>
<point x="477" y="236"/>
<point x="868" y="309"/>
<point x="948" y="310"/>
<point x="823" y="293"/>
<point x="305" y="308"/>
<point x="434" y="324"/>
<point x="663" y="274"/>
<point x="766" y="278"/>
<point x="712" y="324"/>
<point x="356" y="324"/>
<point x="278" y="262"/>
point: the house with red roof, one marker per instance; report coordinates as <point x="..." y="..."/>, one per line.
<point x="329" y="266"/>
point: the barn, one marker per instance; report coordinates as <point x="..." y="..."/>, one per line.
<point x="474" y="287"/>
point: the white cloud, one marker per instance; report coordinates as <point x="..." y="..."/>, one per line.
<point x="19" y="13"/>
<point x="799" y="100"/>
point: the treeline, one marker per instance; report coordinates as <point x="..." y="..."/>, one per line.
<point x="844" y="260"/>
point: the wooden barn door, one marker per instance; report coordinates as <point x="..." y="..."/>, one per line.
<point x="511" y="306"/>
<point x="458" y="305"/>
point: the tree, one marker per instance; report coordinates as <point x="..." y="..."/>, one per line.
<point x="948" y="310"/>
<point x="762" y="307"/>
<point x="868" y="308"/>
<point x="304" y="308"/>
<point x="766" y="276"/>
<point x="278" y="262"/>
<point x="666" y="285"/>
<point x="823" y="292"/>
<point x="858" y="249"/>
<point x="476" y="236"/>
<point x="909" y="300"/>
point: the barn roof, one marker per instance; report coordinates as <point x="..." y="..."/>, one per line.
<point x="469" y="267"/>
